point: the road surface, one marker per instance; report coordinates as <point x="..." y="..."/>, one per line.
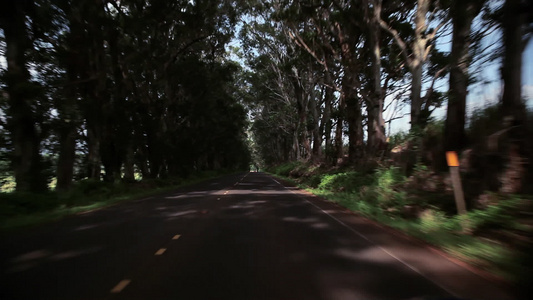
<point x="242" y="236"/>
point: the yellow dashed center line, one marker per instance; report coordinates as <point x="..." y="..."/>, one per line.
<point x="120" y="286"/>
<point x="161" y="251"/>
<point x="177" y="236"/>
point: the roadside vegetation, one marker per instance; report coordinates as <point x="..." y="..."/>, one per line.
<point x="20" y="209"/>
<point x="491" y="236"/>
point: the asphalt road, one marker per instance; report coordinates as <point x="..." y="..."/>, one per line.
<point x="243" y="236"/>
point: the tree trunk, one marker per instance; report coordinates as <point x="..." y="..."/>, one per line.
<point x="376" y="127"/>
<point x="129" y="170"/>
<point x="463" y="13"/>
<point x="302" y="107"/>
<point x="67" y="156"/>
<point x="353" y="118"/>
<point x="296" y="144"/>
<point x="416" y="100"/>
<point x="93" y="143"/>
<point x="417" y="62"/>
<point x="68" y="108"/>
<point x="26" y="158"/>
<point x="376" y="124"/>
<point x="326" y="125"/>
<point x="316" y="153"/>
<point x="513" y="108"/>
<point x="339" y="129"/>
<point x="513" y="19"/>
<point x="95" y="93"/>
<point x="110" y="158"/>
<point x="156" y="158"/>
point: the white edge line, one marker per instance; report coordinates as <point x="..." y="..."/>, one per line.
<point x="177" y="236"/>
<point x="120" y="286"/>
<point x="372" y="242"/>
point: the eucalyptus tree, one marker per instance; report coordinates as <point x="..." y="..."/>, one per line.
<point x="416" y="42"/>
<point x="517" y="26"/>
<point x="462" y="14"/>
<point x="145" y="83"/>
<point x="184" y="42"/>
<point x="332" y="40"/>
<point x="348" y="34"/>
<point x="276" y="123"/>
<point x="22" y="95"/>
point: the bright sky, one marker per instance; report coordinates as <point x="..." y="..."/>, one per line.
<point x="483" y="94"/>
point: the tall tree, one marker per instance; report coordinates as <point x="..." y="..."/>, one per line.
<point x="515" y="19"/>
<point x="513" y="22"/>
<point x="415" y="50"/>
<point x="463" y="14"/>
<point x="22" y="93"/>
<point x="376" y="97"/>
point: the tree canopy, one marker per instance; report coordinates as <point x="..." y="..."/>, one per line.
<point x="109" y="89"/>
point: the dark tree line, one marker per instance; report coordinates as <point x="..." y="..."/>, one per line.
<point x="102" y="88"/>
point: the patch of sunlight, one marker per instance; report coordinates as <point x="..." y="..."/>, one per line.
<point x="373" y="254"/>
<point x="52" y="184"/>
<point x="8" y="185"/>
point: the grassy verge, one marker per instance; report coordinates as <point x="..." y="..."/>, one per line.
<point x="24" y="209"/>
<point x="387" y="197"/>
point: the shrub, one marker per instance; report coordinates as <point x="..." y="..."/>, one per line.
<point x="499" y="215"/>
<point x="314" y="180"/>
<point x="23" y="203"/>
<point x="387" y="181"/>
<point x="286" y="168"/>
<point x="348" y="181"/>
<point x="432" y="220"/>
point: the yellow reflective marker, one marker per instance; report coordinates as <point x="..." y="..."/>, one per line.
<point x="177" y="236"/>
<point x="453" y="163"/>
<point x="161" y="251"/>
<point x="120" y="286"/>
<point x="452" y="159"/>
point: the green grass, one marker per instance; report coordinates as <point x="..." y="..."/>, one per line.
<point x="23" y="209"/>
